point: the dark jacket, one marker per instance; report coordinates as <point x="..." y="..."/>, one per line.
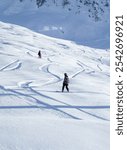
<point x="39" y="54"/>
<point x="66" y="80"/>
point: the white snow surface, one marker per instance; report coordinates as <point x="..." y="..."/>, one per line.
<point x="34" y="113"/>
<point x="54" y="20"/>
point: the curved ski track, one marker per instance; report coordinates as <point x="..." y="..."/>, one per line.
<point x="38" y="99"/>
<point x="12" y="66"/>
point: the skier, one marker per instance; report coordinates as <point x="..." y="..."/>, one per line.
<point x="39" y="54"/>
<point x="65" y="82"/>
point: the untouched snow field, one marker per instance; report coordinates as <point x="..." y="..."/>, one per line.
<point x="34" y="113"/>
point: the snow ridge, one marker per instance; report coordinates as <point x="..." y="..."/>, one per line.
<point x="52" y="19"/>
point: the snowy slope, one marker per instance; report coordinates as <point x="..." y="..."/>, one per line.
<point x="87" y="24"/>
<point x="34" y="113"/>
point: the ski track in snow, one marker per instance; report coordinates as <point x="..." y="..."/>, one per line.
<point x="41" y="100"/>
<point x="77" y="73"/>
<point x="12" y="66"/>
<point x="34" y="113"/>
<point x="6" y="54"/>
<point x="54" y="108"/>
<point x="99" y="67"/>
<point x="36" y="103"/>
<point x="45" y="68"/>
<point x="42" y="105"/>
<point x="58" y="112"/>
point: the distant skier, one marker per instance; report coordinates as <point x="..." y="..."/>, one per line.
<point x="39" y="54"/>
<point x="65" y="82"/>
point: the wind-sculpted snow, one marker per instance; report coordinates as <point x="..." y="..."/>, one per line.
<point x="30" y="90"/>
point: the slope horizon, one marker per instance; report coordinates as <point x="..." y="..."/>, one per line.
<point x="54" y="20"/>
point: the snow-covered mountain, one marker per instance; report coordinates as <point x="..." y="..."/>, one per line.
<point x="83" y="21"/>
<point x="34" y="113"/>
<point x="95" y="8"/>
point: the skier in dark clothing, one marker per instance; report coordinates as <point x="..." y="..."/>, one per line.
<point x="65" y="82"/>
<point x="39" y="54"/>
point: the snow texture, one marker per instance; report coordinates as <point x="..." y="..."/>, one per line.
<point x="87" y="24"/>
<point x="34" y="113"/>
